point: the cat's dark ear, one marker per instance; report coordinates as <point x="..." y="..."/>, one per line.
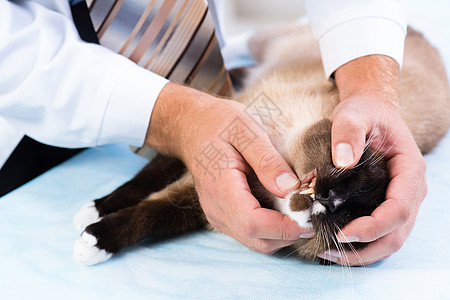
<point x="261" y="41"/>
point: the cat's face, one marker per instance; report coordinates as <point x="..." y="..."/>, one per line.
<point x="334" y="197"/>
<point x="345" y="195"/>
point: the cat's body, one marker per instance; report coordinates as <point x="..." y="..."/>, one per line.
<point x="162" y="201"/>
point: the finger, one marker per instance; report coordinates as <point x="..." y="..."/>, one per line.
<point x="405" y="193"/>
<point x="269" y="224"/>
<point x="362" y="257"/>
<point x="348" y="137"/>
<point x="249" y="219"/>
<point x="383" y="220"/>
<point x="378" y="250"/>
<point x="270" y="167"/>
<point x="265" y="246"/>
<point x="254" y="222"/>
<point x="268" y="246"/>
<point x="374" y="252"/>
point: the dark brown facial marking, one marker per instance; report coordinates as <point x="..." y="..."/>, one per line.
<point x="316" y="145"/>
<point x="300" y="202"/>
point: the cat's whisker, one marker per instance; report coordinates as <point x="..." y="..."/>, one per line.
<point x="325" y="239"/>
<point x="340" y="171"/>
<point x="369" y="140"/>
<point x="358" y="257"/>
<point x="382" y="155"/>
<point x="372" y="137"/>
<point x="345" y="267"/>
<point x="339" y="246"/>
<point x="340" y="249"/>
<point x="370" y="159"/>
<point x="367" y="159"/>
<point x="385" y="141"/>
<point x="352" y="248"/>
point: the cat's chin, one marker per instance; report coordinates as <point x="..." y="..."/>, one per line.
<point x="301" y="207"/>
<point x="309" y="249"/>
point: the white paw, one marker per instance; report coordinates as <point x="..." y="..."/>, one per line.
<point x="87" y="215"/>
<point x="85" y="252"/>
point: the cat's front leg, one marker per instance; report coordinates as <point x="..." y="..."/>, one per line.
<point x="157" y="174"/>
<point x="171" y="211"/>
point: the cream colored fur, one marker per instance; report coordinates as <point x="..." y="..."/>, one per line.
<point x="290" y="73"/>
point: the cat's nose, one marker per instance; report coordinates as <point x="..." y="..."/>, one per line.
<point x="331" y="202"/>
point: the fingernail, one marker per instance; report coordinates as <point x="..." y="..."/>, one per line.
<point x="343" y="155"/>
<point x="286" y="181"/>
<point x="348" y="239"/>
<point x="307" y="235"/>
<point x="333" y="253"/>
<point x="329" y="257"/>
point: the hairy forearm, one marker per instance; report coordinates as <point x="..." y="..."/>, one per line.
<point x="166" y="120"/>
<point x="374" y="76"/>
<point x="175" y="117"/>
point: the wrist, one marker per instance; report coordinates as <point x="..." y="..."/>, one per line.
<point x="167" y="119"/>
<point x="373" y="77"/>
<point x="176" y="110"/>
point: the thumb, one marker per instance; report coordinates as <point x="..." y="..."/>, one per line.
<point x="270" y="167"/>
<point x="348" y="137"/>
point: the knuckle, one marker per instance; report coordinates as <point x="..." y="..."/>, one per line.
<point x="374" y="231"/>
<point x="212" y="221"/>
<point x="284" y="233"/>
<point x="396" y="244"/>
<point x="347" y="261"/>
<point x="285" y="229"/>
<point x="249" y="230"/>
<point x="264" y="247"/>
<point x="346" y="121"/>
<point x="404" y="214"/>
<point x="269" y="161"/>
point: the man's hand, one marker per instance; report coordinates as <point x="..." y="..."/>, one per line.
<point x="369" y="110"/>
<point x="220" y="145"/>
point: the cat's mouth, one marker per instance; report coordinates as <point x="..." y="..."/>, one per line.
<point x="308" y="183"/>
<point x="303" y="205"/>
<point x="307" y="191"/>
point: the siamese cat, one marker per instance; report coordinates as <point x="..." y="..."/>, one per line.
<point x="161" y="200"/>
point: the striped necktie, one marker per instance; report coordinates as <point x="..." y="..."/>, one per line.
<point x="173" y="38"/>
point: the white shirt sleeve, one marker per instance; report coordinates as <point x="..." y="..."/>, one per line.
<point x="62" y="91"/>
<point x="349" y="29"/>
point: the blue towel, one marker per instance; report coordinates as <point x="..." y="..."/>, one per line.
<point x="37" y="236"/>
